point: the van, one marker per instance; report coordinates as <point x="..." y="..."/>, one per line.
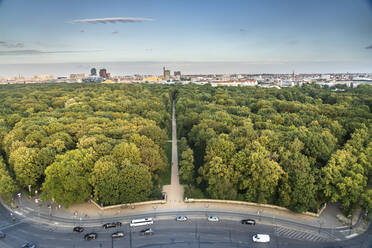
<point x="261" y="238"/>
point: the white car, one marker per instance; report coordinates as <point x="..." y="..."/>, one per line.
<point x="181" y="218"/>
<point x="261" y="238"/>
<point x="213" y="218"/>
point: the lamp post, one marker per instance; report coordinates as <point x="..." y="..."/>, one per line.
<point x="320" y="225"/>
<point x="38" y="205"/>
<point x="130" y="236"/>
<point x="351" y="224"/>
<point x="154" y="207"/>
<point x="19" y="198"/>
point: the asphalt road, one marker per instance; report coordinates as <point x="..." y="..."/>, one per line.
<point x="197" y="232"/>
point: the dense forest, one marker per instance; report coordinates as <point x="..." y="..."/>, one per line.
<point x="74" y="141"/>
<point x="295" y="147"/>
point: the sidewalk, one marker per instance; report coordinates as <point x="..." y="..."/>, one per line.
<point x="174" y="191"/>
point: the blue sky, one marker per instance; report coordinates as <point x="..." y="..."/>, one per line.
<point x="272" y="35"/>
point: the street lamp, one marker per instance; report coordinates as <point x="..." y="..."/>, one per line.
<point x="19" y="199"/>
<point x="130" y="236"/>
<point x="154" y="207"/>
<point x="320" y="225"/>
<point x="50" y="210"/>
<point x="37" y="203"/>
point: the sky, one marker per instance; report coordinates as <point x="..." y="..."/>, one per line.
<point x="194" y="36"/>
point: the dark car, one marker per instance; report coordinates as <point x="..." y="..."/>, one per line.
<point x="148" y="231"/>
<point x="249" y="222"/>
<point x="2" y="235"/>
<point x="111" y="225"/>
<point x="117" y="235"/>
<point x="29" y="245"/>
<point x="78" y="229"/>
<point x="90" y="236"/>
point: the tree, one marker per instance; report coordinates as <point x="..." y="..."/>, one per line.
<point x="24" y="163"/>
<point x="151" y="154"/>
<point x="106" y="181"/>
<point x="67" y="179"/>
<point x="187" y="168"/>
<point x="218" y="179"/>
<point x="257" y="174"/>
<point x="7" y="184"/>
<point x="303" y="189"/>
<point x="221" y="147"/>
<point x="343" y="179"/>
<point x="136" y="183"/>
<point x="126" y="153"/>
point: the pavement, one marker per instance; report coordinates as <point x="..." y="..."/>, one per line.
<point x="33" y="210"/>
<point x="175" y="190"/>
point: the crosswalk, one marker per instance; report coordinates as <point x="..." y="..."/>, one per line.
<point x="299" y="235"/>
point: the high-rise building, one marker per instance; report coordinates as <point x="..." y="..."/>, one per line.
<point x="93" y="72"/>
<point x="103" y="73"/>
<point x="166" y="74"/>
<point x="177" y="75"/>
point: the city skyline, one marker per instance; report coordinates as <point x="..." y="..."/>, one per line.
<point x="195" y="37"/>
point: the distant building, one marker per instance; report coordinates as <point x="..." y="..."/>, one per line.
<point x="108" y="82"/>
<point x="151" y="79"/>
<point x="177" y="75"/>
<point x="77" y="76"/>
<point x="103" y="73"/>
<point x="93" y="72"/>
<point x="166" y="74"/>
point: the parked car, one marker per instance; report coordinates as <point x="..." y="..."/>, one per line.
<point x="213" y="218"/>
<point x="78" y="229"/>
<point x="29" y="245"/>
<point x="147" y="231"/>
<point x="111" y="225"/>
<point x="181" y="218"/>
<point x="261" y="238"/>
<point x="2" y="235"/>
<point x="90" y="236"/>
<point x="249" y="222"/>
<point x="117" y="235"/>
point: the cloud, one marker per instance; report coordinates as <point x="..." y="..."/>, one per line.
<point x="11" y="45"/>
<point x="33" y="52"/>
<point x="113" y="20"/>
<point x="369" y="47"/>
<point x="115" y="32"/>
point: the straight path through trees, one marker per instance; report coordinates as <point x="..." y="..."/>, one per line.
<point x="174" y="191"/>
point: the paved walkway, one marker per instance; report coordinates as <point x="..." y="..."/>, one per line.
<point x="174" y="191"/>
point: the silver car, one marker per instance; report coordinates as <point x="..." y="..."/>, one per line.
<point x="181" y="218"/>
<point x="213" y="218"/>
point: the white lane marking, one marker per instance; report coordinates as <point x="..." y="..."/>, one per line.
<point x="351" y="236"/>
<point x="19" y="213"/>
